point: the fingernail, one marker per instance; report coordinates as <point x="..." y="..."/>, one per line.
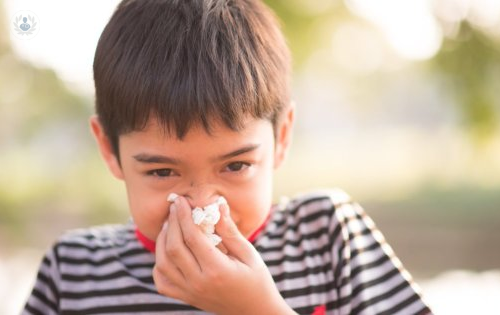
<point x="172" y="197"/>
<point x="165" y="225"/>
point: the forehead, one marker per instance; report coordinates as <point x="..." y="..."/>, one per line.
<point x="154" y="135"/>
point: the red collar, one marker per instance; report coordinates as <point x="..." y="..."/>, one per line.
<point x="150" y="245"/>
<point x="146" y="242"/>
<point x="256" y="233"/>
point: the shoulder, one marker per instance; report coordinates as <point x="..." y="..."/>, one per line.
<point x="99" y="235"/>
<point x="96" y="238"/>
<point x="306" y="225"/>
<point x="313" y="212"/>
<point x="334" y="196"/>
<point x="84" y="248"/>
<point x="327" y="202"/>
<point x="327" y="210"/>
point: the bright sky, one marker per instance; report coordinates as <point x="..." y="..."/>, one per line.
<point x="410" y="26"/>
<point x="68" y="35"/>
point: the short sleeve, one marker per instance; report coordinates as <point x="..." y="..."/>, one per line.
<point x="369" y="278"/>
<point x="45" y="294"/>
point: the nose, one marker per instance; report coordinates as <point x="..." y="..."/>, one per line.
<point x="201" y="195"/>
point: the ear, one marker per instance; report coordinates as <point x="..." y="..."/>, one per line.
<point x="284" y="135"/>
<point x="105" y="147"/>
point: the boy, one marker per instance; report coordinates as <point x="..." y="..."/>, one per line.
<point x="192" y="98"/>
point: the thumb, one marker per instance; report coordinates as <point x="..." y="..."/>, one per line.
<point x="236" y="244"/>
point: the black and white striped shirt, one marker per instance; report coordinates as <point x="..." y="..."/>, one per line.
<point x="323" y="251"/>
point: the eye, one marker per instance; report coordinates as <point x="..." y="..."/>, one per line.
<point x="237" y="166"/>
<point x="163" y="172"/>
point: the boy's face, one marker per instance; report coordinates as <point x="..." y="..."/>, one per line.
<point x="201" y="167"/>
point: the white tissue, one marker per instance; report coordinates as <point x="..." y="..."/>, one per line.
<point x="206" y="218"/>
<point x="214" y="238"/>
<point x="198" y="215"/>
<point x="212" y="214"/>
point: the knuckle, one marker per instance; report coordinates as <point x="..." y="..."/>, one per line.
<point x="214" y="278"/>
<point x="172" y="250"/>
<point x="158" y="273"/>
<point x="166" y="291"/>
<point x="155" y="274"/>
<point x="161" y="289"/>
<point x="159" y="281"/>
<point x="190" y="240"/>
<point x="163" y="285"/>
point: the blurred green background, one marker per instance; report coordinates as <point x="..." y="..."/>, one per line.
<point x="397" y="104"/>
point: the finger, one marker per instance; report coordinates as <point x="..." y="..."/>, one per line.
<point x="164" y="285"/>
<point x="163" y="265"/>
<point x="201" y="247"/>
<point x="176" y="249"/>
<point x="236" y="244"/>
<point x="222" y="248"/>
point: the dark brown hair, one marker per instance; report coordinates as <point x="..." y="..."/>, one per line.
<point x="184" y="62"/>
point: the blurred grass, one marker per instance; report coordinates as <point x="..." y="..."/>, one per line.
<point x="435" y="230"/>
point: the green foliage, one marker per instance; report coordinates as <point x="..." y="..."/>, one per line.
<point x="470" y="64"/>
<point x="304" y="30"/>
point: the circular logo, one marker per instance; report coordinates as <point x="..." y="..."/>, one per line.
<point x="25" y="24"/>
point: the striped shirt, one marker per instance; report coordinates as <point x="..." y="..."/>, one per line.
<point x="324" y="253"/>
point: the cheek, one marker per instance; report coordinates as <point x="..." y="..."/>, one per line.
<point x="250" y="204"/>
<point x="149" y="210"/>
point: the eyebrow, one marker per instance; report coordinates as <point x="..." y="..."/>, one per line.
<point x="153" y="158"/>
<point x="162" y="159"/>
<point x="240" y="151"/>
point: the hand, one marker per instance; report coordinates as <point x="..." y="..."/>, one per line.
<point x="189" y="268"/>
